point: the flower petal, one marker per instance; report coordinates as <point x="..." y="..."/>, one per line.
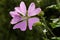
<point x="18" y="10"/>
<point x="14" y="13"/>
<point x="21" y="9"/>
<point x="31" y="21"/>
<point x="35" y="12"/>
<point x="31" y="8"/>
<point x="16" y="19"/>
<point x="22" y="26"/>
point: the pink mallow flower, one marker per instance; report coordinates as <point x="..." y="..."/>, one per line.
<point x="23" y="18"/>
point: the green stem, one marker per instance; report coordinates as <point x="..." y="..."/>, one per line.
<point x="43" y="33"/>
<point x="58" y="3"/>
<point x="47" y="26"/>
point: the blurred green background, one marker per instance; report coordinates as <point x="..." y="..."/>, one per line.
<point x="51" y="9"/>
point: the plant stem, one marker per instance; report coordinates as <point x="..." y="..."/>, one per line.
<point x="58" y="3"/>
<point x="43" y="33"/>
<point x="47" y="26"/>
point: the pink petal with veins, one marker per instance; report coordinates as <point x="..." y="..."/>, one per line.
<point x="14" y="13"/>
<point x="22" y="26"/>
<point x="21" y="9"/>
<point x="31" y="21"/>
